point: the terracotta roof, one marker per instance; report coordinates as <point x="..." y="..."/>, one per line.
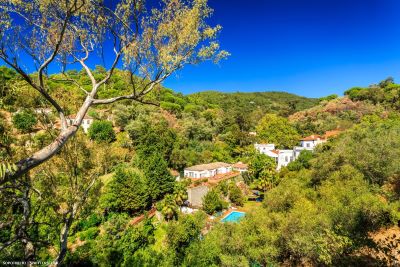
<point x="210" y="181"/>
<point x="240" y="165"/>
<point x="275" y="151"/>
<point x="209" y="166"/>
<point x="313" y="137"/>
<point x="222" y="177"/>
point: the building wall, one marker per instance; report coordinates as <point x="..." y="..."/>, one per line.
<point x="206" y="173"/>
<point x="263" y="148"/>
<point x="308" y="144"/>
<point x="224" y="170"/>
<point x="196" y="195"/>
<point x="199" y="174"/>
<point x="284" y="158"/>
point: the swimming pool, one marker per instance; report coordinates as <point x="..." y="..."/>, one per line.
<point x="234" y="216"/>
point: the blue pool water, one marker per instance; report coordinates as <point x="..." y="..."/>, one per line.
<point x="234" y="216"/>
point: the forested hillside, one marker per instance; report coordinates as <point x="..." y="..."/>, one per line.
<point x="265" y="102"/>
<point x="324" y="208"/>
<point x="104" y="166"/>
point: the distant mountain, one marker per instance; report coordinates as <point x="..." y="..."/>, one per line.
<point x="276" y="102"/>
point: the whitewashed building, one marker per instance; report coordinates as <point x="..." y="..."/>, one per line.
<point x="310" y="142"/>
<point x="86" y="122"/>
<point x="285" y="156"/>
<point x="207" y="170"/>
<point x="264" y="148"/>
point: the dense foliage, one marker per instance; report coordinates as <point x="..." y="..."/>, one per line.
<point x="273" y="129"/>
<point x="24" y="121"/>
<point x="101" y="131"/>
<point x="213" y="202"/>
<point x="126" y="192"/>
<point x="114" y="202"/>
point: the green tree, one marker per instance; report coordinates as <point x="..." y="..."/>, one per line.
<point x="260" y="162"/>
<point x="277" y="130"/>
<point x="180" y="194"/>
<point x="182" y="233"/>
<point x="268" y="179"/>
<point x="302" y="161"/>
<point x="24" y="121"/>
<point x="126" y="192"/>
<point x="165" y="37"/>
<point x="213" y="202"/>
<point x="236" y="195"/>
<point x="151" y="134"/>
<point x="102" y="131"/>
<point x="169" y="208"/>
<point x="158" y="177"/>
<point x="7" y="94"/>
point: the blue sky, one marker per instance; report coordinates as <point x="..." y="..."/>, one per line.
<point x="308" y="47"/>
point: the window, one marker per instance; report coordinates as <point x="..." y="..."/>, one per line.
<point x="286" y="158"/>
<point x="308" y="144"/>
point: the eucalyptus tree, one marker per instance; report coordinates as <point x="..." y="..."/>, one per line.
<point x="38" y="211"/>
<point x="150" y="44"/>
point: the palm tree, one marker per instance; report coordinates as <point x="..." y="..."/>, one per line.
<point x="169" y="208"/>
<point x="180" y="194"/>
<point x="267" y="180"/>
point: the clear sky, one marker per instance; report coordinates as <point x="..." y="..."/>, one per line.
<point x="308" y="47"/>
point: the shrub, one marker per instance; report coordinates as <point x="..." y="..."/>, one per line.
<point x="24" y="121"/>
<point x="89" y="234"/>
<point x="213" y="202"/>
<point x="101" y="131"/>
<point x="302" y="162"/>
<point x="236" y="195"/>
<point x="91" y="221"/>
<point x="171" y="107"/>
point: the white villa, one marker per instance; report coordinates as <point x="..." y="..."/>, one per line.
<point x="207" y="170"/>
<point x="310" y="142"/>
<point x="284" y="157"/>
<point x="263" y="148"/>
<point x="86" y="122"/>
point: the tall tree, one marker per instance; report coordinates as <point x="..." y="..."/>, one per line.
<point x="277" y="130"/>
<point x="159" y="179"/>
<point x="48" y="203"/>
<point x="127" y="192"/>
<point x="58" y="34"/>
